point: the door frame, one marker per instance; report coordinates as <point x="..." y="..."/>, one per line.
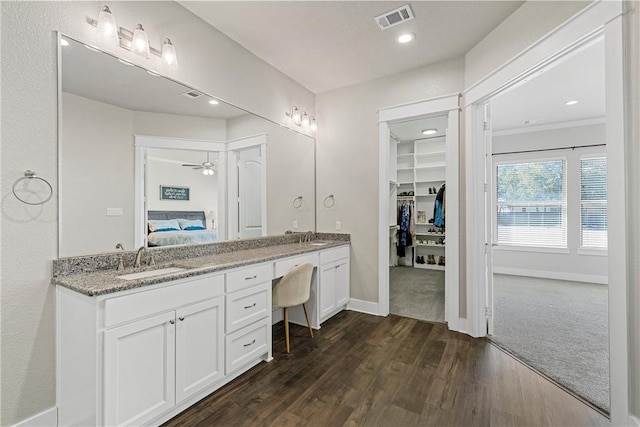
<point x="446" y="104"/>
<point x="599" y="17"/>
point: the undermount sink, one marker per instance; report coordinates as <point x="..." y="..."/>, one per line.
<point x="151" y="273"/>
<point x="318" y="243"/>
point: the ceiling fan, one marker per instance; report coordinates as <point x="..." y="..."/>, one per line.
<point x="208" y="168"/>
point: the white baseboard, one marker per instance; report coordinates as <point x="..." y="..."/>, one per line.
<point x="556" y="275"/>
<point x="48" y="418"/>
<point x="362" y="306"/>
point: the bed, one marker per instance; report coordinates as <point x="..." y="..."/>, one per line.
<point x="166" y="228"/>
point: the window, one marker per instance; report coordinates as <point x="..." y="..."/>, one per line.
<point x="532" y="204"/>
<point x="593" y="202"/>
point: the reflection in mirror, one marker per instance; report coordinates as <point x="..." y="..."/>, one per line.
<point x="112" y="185"/>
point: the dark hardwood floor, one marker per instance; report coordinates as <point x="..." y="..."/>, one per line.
<point x="362" y="370"/>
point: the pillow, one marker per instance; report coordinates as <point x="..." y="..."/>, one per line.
<point x="163" y="225"/>
<point x="191" y="224"/>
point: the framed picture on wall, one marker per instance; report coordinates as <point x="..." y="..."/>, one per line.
<point x="169" y="192"/>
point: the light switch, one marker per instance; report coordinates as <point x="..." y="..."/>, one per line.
<point x="115" y="212"/>
<point x="338" y="225"/>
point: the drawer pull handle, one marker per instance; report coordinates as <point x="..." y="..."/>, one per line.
<point x="181" y="318"/>
<point x="251" y="343"/>
<point x="172" y="321"/>
<point x="246" y="307"/>
<point x="250" y="278"/>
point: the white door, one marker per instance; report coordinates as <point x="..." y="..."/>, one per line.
<point x="342" y="283"/>
<point x="199" y="347"/>
<point x="139" y="370"/>
<point x="327" y="290"/>
<point x="489" y="209"/>
<point x="250" y="193"/>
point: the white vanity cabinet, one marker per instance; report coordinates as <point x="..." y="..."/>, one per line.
<point x="334" y="282"/>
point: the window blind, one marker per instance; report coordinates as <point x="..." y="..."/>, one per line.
<point x="531" y="203"/>
<point x="593" y="202"/>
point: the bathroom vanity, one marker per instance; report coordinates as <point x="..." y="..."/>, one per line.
<point x="137" y="348"/>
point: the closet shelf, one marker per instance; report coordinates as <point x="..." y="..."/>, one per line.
<point x="431" y="153"/>
<point x="400" y="156"/>
<point x="431" y="234"/>
<point x="434" y="165"/>
<point x="426" y="195"/>
<point x="431" y="245"/>
<point x="404" y="169"/>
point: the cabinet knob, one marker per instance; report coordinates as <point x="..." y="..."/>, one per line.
<point x="172" y="321"/>
<point x="246" y="307"/>
<point x="181" y="318"/>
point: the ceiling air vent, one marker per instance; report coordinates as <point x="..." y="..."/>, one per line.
<point x="192" y="94"/>
<point x="394" y="17"/>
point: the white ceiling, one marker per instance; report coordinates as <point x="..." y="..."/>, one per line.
<point x="543" y="97"/>
<point x="411" y="130"/>
<point x="102" y="77"/>
<point x="325" y="45"/>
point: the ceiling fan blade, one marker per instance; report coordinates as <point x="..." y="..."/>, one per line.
<point x="188" y="164"/>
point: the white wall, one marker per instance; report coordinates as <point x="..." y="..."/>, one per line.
<point x="347" y="158"/>
<point x="566" y="266"/>
<point x="203" y="189"/>
<point x="521" y="29"/>
<point x="171" y="125"/>
<point x="290" y="173"/>
<point x="209" y="61"/>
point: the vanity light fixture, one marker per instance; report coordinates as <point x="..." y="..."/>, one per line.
<point x="430" y="131"/>
<point x="107" y="27"/>
<point x="136" y="41"/>
<point x="169" y="54"/>
<point x="302" y="119"/>
<point x="140" y="42"/>
<point x="574" y="102"/>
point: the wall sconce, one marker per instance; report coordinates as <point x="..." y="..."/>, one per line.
<point x="136" y="41"/>
<point x="302" y="119"/>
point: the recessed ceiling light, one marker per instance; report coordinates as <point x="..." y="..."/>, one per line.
<point x="406" y="38"/>
<point x="430" y="131"/>
<point x="571" y="102"/>
<point x="63" y="42"/>
<point x="213" y="102"/>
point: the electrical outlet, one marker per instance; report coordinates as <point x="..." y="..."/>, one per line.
<point x="295" y="224"/>
<point x="115" y="212"/>
<point x="338" y="225"/>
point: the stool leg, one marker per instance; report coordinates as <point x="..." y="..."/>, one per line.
<point x="307" y="316"/>
<point x="286" y="327"/>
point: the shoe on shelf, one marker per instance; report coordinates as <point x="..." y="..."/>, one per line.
<point x="430" y="192"/>
<point x="431" y="221"/>
<point x="410" y="193"/>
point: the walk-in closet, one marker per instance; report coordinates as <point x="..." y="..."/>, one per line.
<point x="417" y="218"/>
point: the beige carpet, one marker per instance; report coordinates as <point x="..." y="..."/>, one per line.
<point x="417" y="293"/>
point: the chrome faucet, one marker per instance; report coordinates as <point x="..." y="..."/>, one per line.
<point x="136" y="264"/>
<point x="120" y="261"/>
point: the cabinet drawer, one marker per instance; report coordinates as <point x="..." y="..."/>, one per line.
<point x="334" y="254"/>
<point x="247" y="306"/>
<point x="249" y="276"/>
<point x="283" y="266"/>
<point x="245" y="345"/>
<point x="142" y="304"/>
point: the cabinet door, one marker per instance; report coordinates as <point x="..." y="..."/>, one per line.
<point x="342" y="283"/>
<point x="327" y="290"/>
<point x="139" y="370"/>
<point x="199" y="347"/>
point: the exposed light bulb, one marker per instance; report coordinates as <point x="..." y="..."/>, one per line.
<point x="313" y="126"/>
<point x="107" y="27"/>
<point x="140" y="42"/>
<point x="295" y="115"/>
<point x="305" y="120"/>
<point x="169" y="54"/>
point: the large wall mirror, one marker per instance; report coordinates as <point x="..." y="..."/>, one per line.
<point x="142" y="154"/>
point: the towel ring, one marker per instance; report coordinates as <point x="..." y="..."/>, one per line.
<point x="29" y="175"/>
<point x="329" y="201"/>
<point x="297" y="202"/>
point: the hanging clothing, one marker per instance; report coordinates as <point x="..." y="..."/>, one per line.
<point x="405" y="235"/>
<point x="438" y="208"/>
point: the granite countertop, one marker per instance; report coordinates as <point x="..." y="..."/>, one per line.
<point x="106" y="282"/>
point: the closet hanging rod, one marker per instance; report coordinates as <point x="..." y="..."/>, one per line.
<point x="548" y="149"/>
